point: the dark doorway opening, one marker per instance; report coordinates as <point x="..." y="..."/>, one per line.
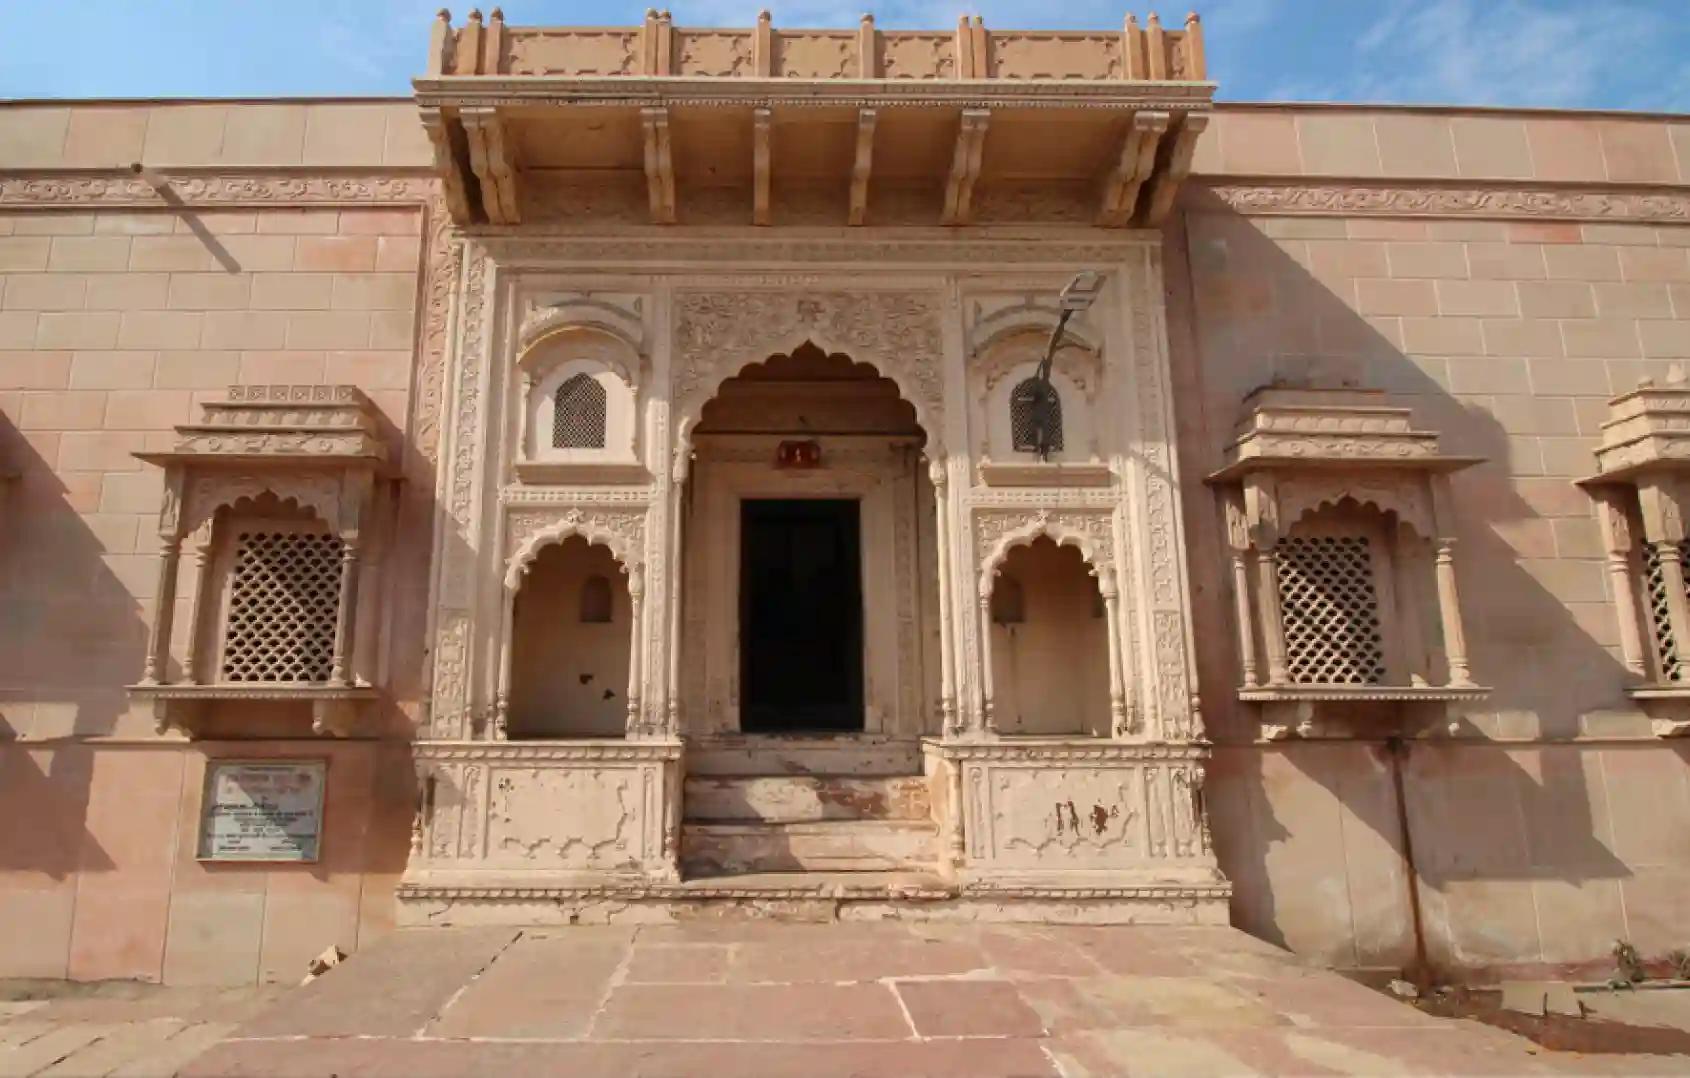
<point x="800" y="616"/>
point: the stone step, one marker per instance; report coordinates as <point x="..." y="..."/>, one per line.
<point x="715" y="849"/>
<point x="801" y="798"/>
<point x="837" y="754"/>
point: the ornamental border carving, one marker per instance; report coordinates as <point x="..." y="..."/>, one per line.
<point x="603" y="253"/>
<point x="1124" y="753"/>
<point x="479" y="751"/>
<point x="195" y="187"/>
<point x="718" y="333"/>
<point x="1347" y="199"/>
<point x="997" y="533"/>
<point x="530" y="531"/>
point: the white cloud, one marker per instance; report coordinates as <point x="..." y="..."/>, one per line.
<point x="1500" y="51"/>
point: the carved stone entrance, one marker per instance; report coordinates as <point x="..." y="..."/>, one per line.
<point x="800" y="616"/>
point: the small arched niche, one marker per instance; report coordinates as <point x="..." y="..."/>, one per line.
<point x="580" y="399"/>
<point x="1050" y="668"/>
<point x="570" y="639"/>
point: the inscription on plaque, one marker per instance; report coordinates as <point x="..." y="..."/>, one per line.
<point x="262" y="811"/>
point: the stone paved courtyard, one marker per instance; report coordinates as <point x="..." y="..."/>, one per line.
<point x="760" y="998"/>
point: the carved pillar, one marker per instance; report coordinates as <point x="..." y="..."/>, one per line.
<point x="1273" y="619"/>
<point x="1617" y="542"/>
<point x="947" y="635"/>
<point x="636" y="634"/>
<point x="157" y="666"/>
<point x="988" y="720"/>
<point x="346" y="616"/>
<point x="1238" y="541"/>
<point x="1118" y="723"/>
<point x="676" y="565"/>
<point x="507" y="650"/>
<point x="1449" y="609"/>
<point x="196" y="612"/>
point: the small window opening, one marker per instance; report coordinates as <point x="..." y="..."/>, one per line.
<point x="578" y="411"/>
<point x="595" y="600"/>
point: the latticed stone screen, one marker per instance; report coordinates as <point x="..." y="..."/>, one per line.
<point x="1331" y="611"/>
<point x="1029" y="403"/>
<point x="1660" y="622"/>
<point x="284" y="595"/>
<point x="578" y="411"/>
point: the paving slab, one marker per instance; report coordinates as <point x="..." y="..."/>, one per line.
<point x="393" y="989"/>
<point x="540" y="987"/>
<point x="772" y="998"/>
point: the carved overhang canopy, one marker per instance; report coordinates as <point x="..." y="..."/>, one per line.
<point x="855" y="126"/>
<point x="316" y="425"/>
<point x="1647" y="431"/>
<point x="1304" y="430"/>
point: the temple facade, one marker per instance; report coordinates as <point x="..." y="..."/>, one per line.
<point x="658" y="473"/>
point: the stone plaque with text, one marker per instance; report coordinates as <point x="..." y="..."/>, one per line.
<point x="262" y="810"/>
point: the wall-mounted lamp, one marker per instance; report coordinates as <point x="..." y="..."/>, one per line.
<point x="1038" y="396"/>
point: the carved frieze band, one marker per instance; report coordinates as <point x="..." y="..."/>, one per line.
<point x="1449" y="201"/>
<point x="223" y="189"/>
<point x="528" y="531"/>
<point x="997" y="531"/>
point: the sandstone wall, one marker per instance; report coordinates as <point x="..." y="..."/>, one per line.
<point x="1554" y="824"/>
<point x="113" y="325"/>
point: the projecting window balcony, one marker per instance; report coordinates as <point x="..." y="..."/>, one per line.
<point x="1341" y="529"/>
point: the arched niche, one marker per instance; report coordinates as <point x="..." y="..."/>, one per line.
<point x="1051" y="664"/>
<point x="570" y="655"/>
<point x="597" y="427"/>
<point x="1009" y="357"/>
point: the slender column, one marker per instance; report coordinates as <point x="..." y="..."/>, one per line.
<point x="1246" y="630"/>
<point x="500" y="726"/>
<point x="1449" y="609"/>
<point x="947" y="654"/>
<point x="636" y="595"/>
<point x="1678" y="611"/>
<point x="1117" y="683"/>
<point x="954" y="836"/>
<point x="202" y="555"/>
<point x="1616" y="533"/>
<point x="677" y="564"/>
<point x="1273" y="623"/>
<point x="157" y="668"/>
<point x="988" y="720"/>
<point x="346" y="616"/>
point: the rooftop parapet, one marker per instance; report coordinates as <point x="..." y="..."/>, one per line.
<point x="764" y="126"/>
<point x="659" y="48"/>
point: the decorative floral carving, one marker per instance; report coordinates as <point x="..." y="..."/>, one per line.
<point x="718" y="333"/>
<point x="917" y="56"/>
<point x="996" y="533"/>
<point x="1405" y="497"/>
<point x="529" y="531"/>
<point x="215" y="190"/>
<point x="1489" y="201"/>
<point x="319" y="493"/>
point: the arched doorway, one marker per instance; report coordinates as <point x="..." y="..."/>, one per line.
<point x="811" y="602"/>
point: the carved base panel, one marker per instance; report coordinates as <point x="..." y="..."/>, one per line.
<point x="1049" y="819"/>
<point x="564" y="813"/>
<point x="455" y="902"/>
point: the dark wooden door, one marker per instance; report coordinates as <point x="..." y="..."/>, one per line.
<point x="800" y="616"/>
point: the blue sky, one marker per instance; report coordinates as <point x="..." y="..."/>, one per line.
<point x="1624" y="54"/>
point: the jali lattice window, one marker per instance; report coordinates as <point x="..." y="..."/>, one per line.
<point x="1035" y="405"/>
<point x="578" y="414"/>
<point x="284" y="595"/>
<point x="1331" y="611"/>
<point x="1660" y="622"/>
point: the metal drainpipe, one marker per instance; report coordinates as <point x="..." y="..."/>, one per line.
<point x="1396" y="750"/>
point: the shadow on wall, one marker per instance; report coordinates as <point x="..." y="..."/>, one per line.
<point x="1262" y="312"/>
<point x="71" y="635"/>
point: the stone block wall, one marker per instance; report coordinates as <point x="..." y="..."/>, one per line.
<point x="114" y="324"/>
<point x="1505" y="275"/>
